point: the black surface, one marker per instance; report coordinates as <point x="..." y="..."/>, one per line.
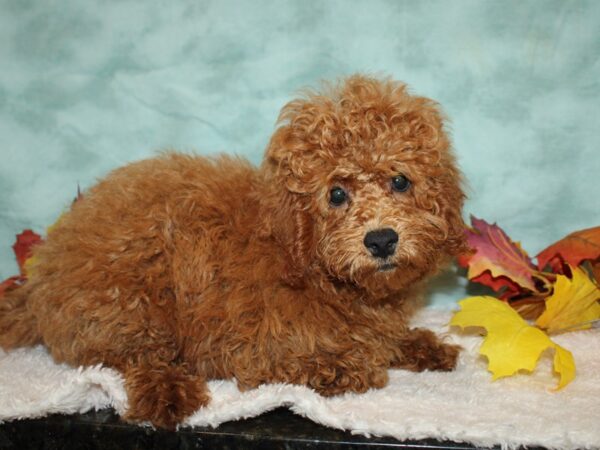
<point x="279" y="429"/>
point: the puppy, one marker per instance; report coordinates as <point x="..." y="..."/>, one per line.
<point x="181" y="269"/>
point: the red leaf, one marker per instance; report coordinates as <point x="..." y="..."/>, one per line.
<point x="464" y="258"/>
<point x="11" y="283"/>
<point x="501" y="283"/>
<point x="505" y="261"/>
<point x="573" y="249"/>
<point x="23" y="247"/>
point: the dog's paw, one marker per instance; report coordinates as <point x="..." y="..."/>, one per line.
<point x="163" y="395"/>
<point x="422" y="350"/>
<point x="442" y="357"/>
<point x="336" y="380"/>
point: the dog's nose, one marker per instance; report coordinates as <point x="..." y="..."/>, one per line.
<point x="381" y="243"/>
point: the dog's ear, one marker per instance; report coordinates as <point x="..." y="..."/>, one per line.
<point x="449" y="204"/>
<point x="444" y="196"/>
<point x="456" y="243"/>
<point x="286" y="220"/>
<point x="301" y="248"/>
<point x="286" y="215"/>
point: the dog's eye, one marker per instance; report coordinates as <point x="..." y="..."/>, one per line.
<point x="337" y="196"/>
<point x="400" y="183"/>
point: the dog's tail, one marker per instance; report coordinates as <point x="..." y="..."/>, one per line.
<point x="18" y="326"/>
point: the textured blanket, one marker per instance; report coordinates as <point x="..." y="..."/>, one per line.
<point x="464" y="405"/>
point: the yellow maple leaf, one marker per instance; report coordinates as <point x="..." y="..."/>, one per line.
<point x="511" y="343"/>
<point x="573" y="304"/>
<point x="28" y="266"/>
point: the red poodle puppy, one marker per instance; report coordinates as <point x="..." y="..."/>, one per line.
<point x="181" y="269"/>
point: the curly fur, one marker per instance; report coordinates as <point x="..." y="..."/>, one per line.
<point x="181" y="269"/>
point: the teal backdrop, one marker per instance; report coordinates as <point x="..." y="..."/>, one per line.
<point x="87" y="86"/>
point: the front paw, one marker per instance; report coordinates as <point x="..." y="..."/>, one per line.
<point x="442" y="357"/>
<point x="335" y="380"/>
<point x="422" y="350"/>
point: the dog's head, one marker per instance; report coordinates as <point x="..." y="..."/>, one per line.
<point x="364" y="185"/>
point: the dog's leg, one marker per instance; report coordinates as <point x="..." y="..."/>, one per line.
<point x="339" y="378"/>
<point x="163" y="393"/>
<point x="18" y="326"/>
<point x="328" y="374"/>
<point x="420" y="349"/>
<point x="136" y="334"/>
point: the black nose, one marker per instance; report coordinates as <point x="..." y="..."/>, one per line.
<point x="381" y="243"/>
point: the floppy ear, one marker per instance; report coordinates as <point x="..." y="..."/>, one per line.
<point x="456" y="243"/>
<point x="427" y="130"/>
<point x="301" y="248"/>
<point x="285" y="207"/>
<point x="450" y="200"/>
<point x="443" y="198"/>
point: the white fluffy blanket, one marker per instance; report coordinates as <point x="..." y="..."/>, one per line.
<point x="464" y="405"/>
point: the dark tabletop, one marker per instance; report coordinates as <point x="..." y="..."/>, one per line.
<point x="278" y="429"/>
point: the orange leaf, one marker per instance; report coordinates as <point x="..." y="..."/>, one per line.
<point x="573" y="249"/>
<point x="11" y="283"/>
<point x="530" y="308"/>
<point x="464" y="258"/>
<point x="501" y="283"/>
<point x="507" y="264"/>
<point x="23" y="246"/>
<point x="596" y="271"/>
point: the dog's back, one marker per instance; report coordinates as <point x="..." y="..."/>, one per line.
<point x="102" y="284"/>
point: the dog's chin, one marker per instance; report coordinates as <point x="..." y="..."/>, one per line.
<point x="387" y="267"/>
<point x="378" y="268"/>
<point x="370" y="269"/>
<point x="379" y="279"/>
<point x="382" y="279"/>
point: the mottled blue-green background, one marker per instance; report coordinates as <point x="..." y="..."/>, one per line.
<point x="86" y="86"/>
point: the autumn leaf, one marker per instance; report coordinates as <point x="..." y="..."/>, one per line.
<point x="596" y="271"/>
<point x="11" y="283"/>
<point x="511" y="344"/>
<point x="503" y="285"/>
<point x="23" y="247"/>
<point x="497" y="261"/>
<point x="573" y="305"/>
<point x="572" y="250"/>
<point x="79" y="195"/>
<point x="529" y="307"/>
